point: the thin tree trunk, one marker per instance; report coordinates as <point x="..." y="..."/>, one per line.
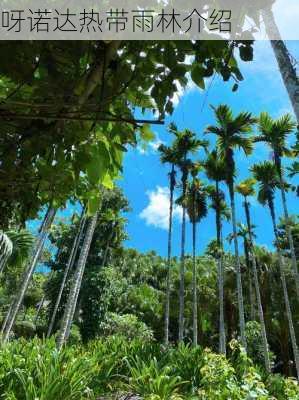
<point x="168" y="278"/>
<point x="284" y="61"/>
<point x="76" y="283"/>
<point x="238" y="268"/>
<point x="182" y="268"/>
<point x="69" y="266"/>
<point x="69" y="325"/>
<point x="109" y="239"/>
<point x="289" y="235"/>
<point x="222" y="339"/>
<point x="285" y="290"/>
<point x="194" y="285"/>
<point x="251" y="294"/>
<point x="41" y="303"/>
<point x="38" y="248"/>
<point x="182" y="279"/>
<point x="6" y="319"/>
<point x="257" y="291"/>
<point x="97" y="73"/>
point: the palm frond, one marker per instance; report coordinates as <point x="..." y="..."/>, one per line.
<point x="266" y="175"/>
<point x="215" y="167"/>
<point x="246" y="187"/>
<point x="293" y="169"/>
<point x="22" y="243"/>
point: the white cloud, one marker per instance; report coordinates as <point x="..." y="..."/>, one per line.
<point x="141" y="150"/>
<point x="156" y="213"/>
<point x="156" y="143"/>
<point x="151" y="147"/>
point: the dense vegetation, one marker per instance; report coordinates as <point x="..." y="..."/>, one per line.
<point x="103" y="319"/>
<point x="34" y="369"/>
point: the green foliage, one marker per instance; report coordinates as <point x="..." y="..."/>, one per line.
<point x="34" y="369"/>
<point x="282" y="388"/>
<point x="126" y="325"/>
<point x="153" y="381"/>
<point x="22" y="242"/>
<point x="75" y="335"/>
<point x="57" y="147"/>
<point x="254" y="342"/>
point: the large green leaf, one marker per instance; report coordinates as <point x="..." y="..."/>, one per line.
<point x="197" y="75"/>
<point x="99" y="164"/>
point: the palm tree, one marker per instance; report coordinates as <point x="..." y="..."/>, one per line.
<point x="215" y="170"/>
<point x="5" y="249"/>
<point x="36" y="253"/>
<point x="244" y="234"/>
<point x="196" y="204"/>
<point x="69" y="266"/>
<point x="185" y="143"/>
<point x="268" y="178"/>
<point x="168" y="155"/>
<point x="72" y="299"/>
<point x="275" y="133"/>
<point x="232" y="132"/>
<point x="246" y="189"/>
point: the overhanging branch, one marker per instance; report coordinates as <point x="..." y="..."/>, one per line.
<point x="61" y="117"/>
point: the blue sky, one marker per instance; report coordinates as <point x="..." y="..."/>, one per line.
<point x="145" y="180"/>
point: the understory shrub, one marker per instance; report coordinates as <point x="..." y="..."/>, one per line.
<point x="127" y="325"/>
<point x="31" y="370"/>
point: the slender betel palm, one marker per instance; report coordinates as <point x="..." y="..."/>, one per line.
<point x="36" y="253"/>
<point x="268" y="179"/>
<point x="246" y="189"/>
<point x="243" y="233"/>
<point x="232" y="132"/>
<point x="72" y="299"/>
<point x="184" y="144"/>
<point x="275" y="133"/>
<point x="168" y="155"/>
<point x="196" y="203"/>
<point x="69" y="266"/>
<point x="215" y="170"/>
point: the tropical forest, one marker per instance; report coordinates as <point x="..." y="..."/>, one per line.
<point x="149" y="242"/>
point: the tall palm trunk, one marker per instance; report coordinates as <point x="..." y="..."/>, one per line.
<point x="37" y="250"/>
<point x="248" y="267"/>
<point x="182" y="265"/>
<point x="287" y="225"/>
<point x="168" y="278"/>
<point x="76" y="283"/>
<point x="222" y="339"/>
<point x="69" y="325"/>
<point x="257" y="291"/>
<point x="40" y="306"/>
<point x="69" y="266"/>
<point x="238" y="267"/>
<point x="194" y="281"/>
<point x="284" y="288"/>
<point x="284" y="61"/>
